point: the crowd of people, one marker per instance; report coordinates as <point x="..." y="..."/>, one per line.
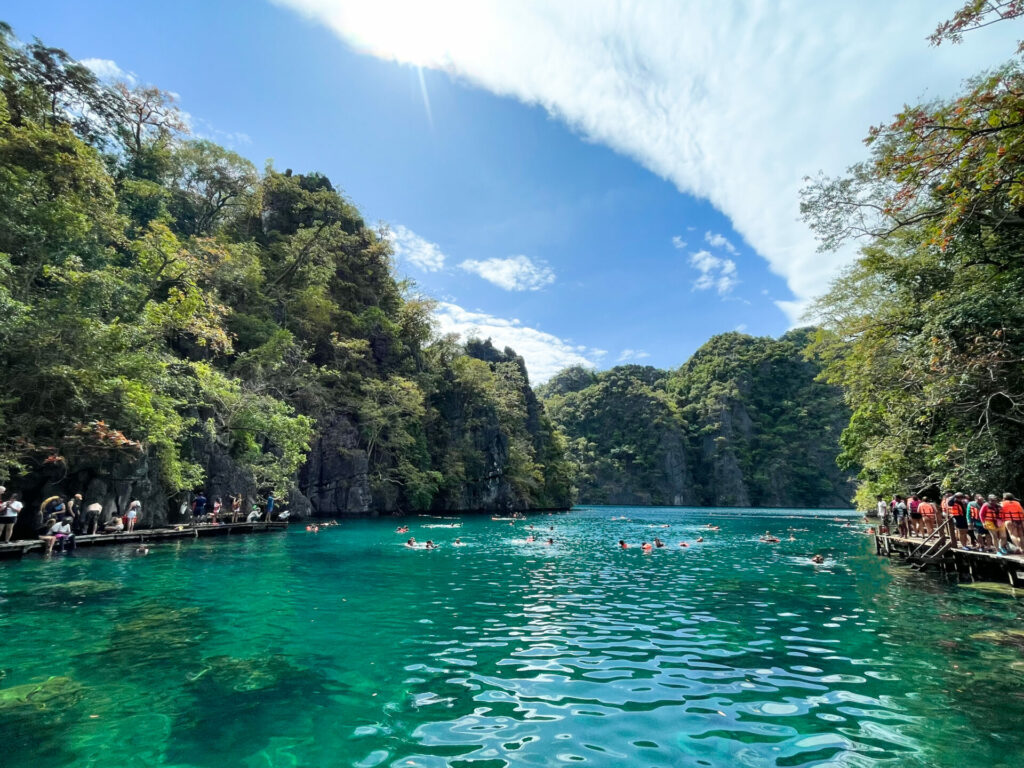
<point x="983" y="523"/>
<point x="60" y="519"/>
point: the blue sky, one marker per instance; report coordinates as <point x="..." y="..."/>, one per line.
<point x="591" y="182"/>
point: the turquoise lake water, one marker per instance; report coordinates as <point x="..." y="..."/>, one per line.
<point x="344" y="648"/>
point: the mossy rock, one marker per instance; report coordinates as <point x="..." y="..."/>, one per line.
<point x="52" y="695"/>
<point x="246" y="674"/>
<point x="994" y="588"/>
<point x="76" y="590"/>
<point x="1010" y="638"/>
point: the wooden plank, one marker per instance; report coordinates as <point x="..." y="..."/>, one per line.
<point x="20" y="547"/>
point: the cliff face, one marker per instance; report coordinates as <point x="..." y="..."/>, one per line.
<point x="742" y="423"/>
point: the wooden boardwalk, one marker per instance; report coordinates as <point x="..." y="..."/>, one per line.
<point x="17" y="549"/>
<point x="938" y="552"/>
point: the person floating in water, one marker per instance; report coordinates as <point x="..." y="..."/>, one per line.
<point x="685" y="544"/>
<point x="402" y="529"/>
<point x="530" y="539"/>
<point x="551" y="541"/>
<point x="458" y="542"/>
<point x="768" y="538"/>
<point x="623" y="544"/>
<point x="711" y="527"/>
<point x="817" y="559"/>
<point x="430" y="545"/>
<point x="700" y="539"/>
<point x="646" y="547"/>
<point x="411" y="543"/>
<point x="658" y="542"/>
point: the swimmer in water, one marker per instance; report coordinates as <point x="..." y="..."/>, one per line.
<point x="792" y="537"/>
<point x="658" y="542"/>
<point x="458" y="542"/>
<point x="430" y="545"/>
<point x="411" y="543"/>
<point x="683" y="544"/>
<point x="550" y="542"/>
<point x="711" y="527"/>
<point x="700" y="539"/>
<point x="646" y="547"/>
<point x="623" y="545"/>
<point x="530" y="539"/>
<point x="817" y="559"/>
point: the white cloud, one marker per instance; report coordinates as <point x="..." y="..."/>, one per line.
<point x="632" y="354"/>
<point x="716" y="240"/>
<point x="410" y="247"/>
<point x="107" y="69"/>
<point x="516" y="273"/>
<point x="545" y="353"/>
<point x="715" y="272"/>
<point x="678" y="242"/>
<point x="733" y="101"/>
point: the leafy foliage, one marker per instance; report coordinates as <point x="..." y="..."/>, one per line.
<point x="923" y="332"/>
<point x="159" y="296"/>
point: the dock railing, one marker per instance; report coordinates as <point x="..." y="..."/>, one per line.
<point x="935" y="543"/>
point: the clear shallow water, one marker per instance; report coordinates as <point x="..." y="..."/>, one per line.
<point x="343" y="648"/>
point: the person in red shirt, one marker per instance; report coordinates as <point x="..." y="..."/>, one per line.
<point x="1013" y="515"/>
<point x="992" y="520"/>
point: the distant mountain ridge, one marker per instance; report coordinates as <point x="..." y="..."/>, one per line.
<point x="742" y="423"/>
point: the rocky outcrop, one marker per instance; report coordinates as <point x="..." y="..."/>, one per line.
<point x="335" y="478"/>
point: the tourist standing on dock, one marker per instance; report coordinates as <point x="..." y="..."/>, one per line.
<point x="133" y="514"/>
<point x="1013" y="516"/>
<point x="974" y="519"/>
<point x="92" y="517"/>
<point x="216" y="510"/>
<point x="927" y="511"/>
<point x="914" y="512"/>
<point x="957" y="510"/>
<point x="882" y="510"/>
<point x="993" y="522"/>
<point x="75" y="509"/>
<point x="9" y="516"/>
<point x="199" y="506"/>
<point x="270" y="506"/>
<point x="236" y="507"/>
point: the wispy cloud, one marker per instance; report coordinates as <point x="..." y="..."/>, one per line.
<point x="716" y="240"/>
<point x="678" y="242"/>
<point x="516" y="273"/>
<point x="741" y="328"/>
<point x="734" y="102"/>
<point x="632" y="354"/>
<point x="411" y="248"/>
<point x="108" y="69"/>
<point x="545" y="353"/>
<point x="715" y="272"/>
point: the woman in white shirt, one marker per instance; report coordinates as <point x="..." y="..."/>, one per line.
<point x="133" y="514"/>
<point x="9" y="516"/>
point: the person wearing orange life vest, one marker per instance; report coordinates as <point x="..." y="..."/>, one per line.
<point x="991" y="518"/>
<point x="957" y="511"/>
<point x="1013" y="515"/>
<point x="927" y="511"/>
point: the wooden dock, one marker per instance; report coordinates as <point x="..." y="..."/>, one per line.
<point x="940" y="552"/>
<point x="17" y="549"/>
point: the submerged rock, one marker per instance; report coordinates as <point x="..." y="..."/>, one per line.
<point x="1010" y="638"/>
<point x="53" y="694"/>
<point x="247" y="674"/>
<point x="994" y="588"/>
<point x="76" y="590"/>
